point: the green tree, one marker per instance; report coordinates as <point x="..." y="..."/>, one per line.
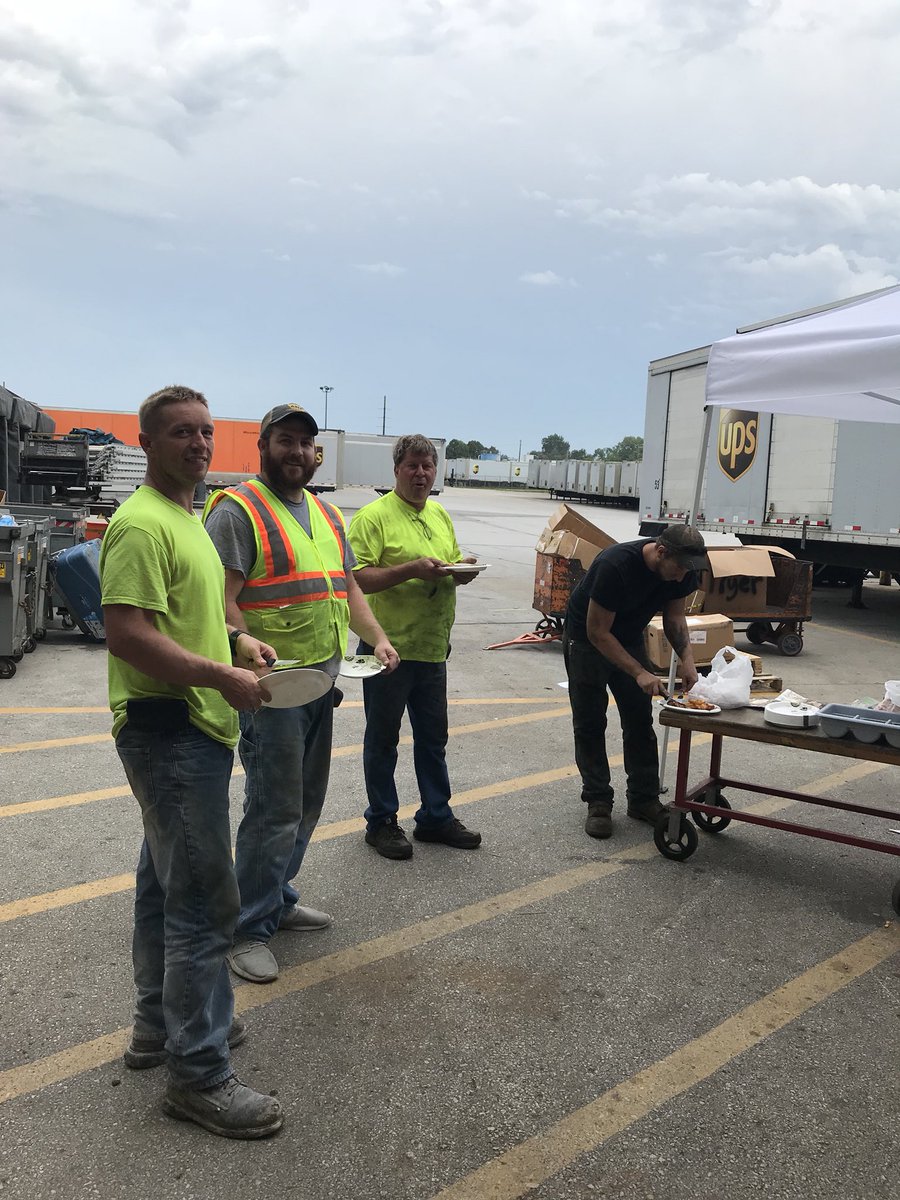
<point x="579" y="454"/>
<point x="455" y="449"/>
<point x="628" y="450"/>
<point x="554" y="446"/>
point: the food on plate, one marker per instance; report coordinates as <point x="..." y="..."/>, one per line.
<point x="694" y="702"/>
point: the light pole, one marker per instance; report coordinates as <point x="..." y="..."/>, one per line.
<point x="326" y="390"/>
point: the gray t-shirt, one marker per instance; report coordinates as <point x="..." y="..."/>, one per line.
<point x="232" y="535"/>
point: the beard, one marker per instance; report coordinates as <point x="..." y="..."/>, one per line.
<point x="283" y="479"/>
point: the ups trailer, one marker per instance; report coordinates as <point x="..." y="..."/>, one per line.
<point x="589" y="481"/>
<point x="822" y="489"/>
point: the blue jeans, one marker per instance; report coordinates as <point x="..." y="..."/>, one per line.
<point x="419" y="688"/>
<point x="186" y="900"/>
<point x="286" y="753"/>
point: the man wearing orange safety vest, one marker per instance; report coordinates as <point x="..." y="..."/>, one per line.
<point x="288" y="571"/>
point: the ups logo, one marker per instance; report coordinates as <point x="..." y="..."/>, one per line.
<point x="737" y="441"/>
<point x="320" y="455"/>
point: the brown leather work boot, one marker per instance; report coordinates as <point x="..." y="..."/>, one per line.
<point x="598" y="823"/>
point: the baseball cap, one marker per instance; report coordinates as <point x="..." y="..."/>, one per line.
<point x="686" y="545"/>
<point x="282" y="411"/>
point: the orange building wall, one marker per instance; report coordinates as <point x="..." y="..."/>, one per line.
<point x="235" y="440"/>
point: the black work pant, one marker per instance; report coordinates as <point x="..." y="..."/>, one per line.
<point x="591" y="678"/>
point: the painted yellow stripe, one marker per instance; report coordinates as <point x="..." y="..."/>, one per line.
<point x="35" y="711"/>
<point x="523" y="1168"/>
<point x="76" y="798"/>
<point x="89" y="739"/>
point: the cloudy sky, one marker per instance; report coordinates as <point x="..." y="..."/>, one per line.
<point x="494" y="212"/>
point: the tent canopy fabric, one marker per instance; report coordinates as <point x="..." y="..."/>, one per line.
<point x="842" y="363"/>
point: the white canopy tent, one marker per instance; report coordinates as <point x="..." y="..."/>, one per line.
<point x="841" y="362"/>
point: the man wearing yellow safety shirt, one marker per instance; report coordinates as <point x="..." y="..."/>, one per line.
<point x="403" y="543"/>
<point x="288" y="572"/>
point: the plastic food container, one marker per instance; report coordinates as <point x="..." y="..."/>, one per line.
<point x="865" y="724"/>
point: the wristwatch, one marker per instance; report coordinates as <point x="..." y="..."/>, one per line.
<point x="233" y="640"/>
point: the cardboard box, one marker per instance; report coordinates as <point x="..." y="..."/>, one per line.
<point x="709" y="633"/>
<point x="570" y="535"/>
<point x="738" y="579"/>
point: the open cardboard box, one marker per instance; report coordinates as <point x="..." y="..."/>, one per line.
<point x="709" y="633"/>
<point x="570" y="535"/>
<point x="736" y="582"/>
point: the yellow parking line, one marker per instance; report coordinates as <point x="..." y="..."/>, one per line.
<point x="523" y="1168"/>
<point x="76" y="798"/>
<point x="89" y="739"/>
<point x="104" y="708"/>
<point x="869" y="637"/>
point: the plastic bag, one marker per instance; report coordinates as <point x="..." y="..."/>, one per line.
<point x="891" y="701"/>
<point x="728" y="681"/>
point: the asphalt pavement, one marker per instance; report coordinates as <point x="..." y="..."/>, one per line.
<point x="549" y="1016"/>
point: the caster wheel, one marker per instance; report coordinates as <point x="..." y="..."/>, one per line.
<point x="790" y="644"/>
<point x="712" y="824"/>
<point x="756" y="633"/>
<point x="7" y="668"/>
<point x="29" y="645"/>
<point x="17" y="656"/>
<point x="683" y="846"/>
<point x="67" y="622"/>
<point x="895" y="897"/>
<point x="40" y="634"/>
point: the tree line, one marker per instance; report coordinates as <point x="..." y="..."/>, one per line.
<point x="554" y="446"/>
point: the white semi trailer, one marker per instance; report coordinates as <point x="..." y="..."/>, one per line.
<point x="825" y="490"/>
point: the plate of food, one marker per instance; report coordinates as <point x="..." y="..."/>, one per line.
<point x="465" y="568"/>
<point x="360" y="666"/>
<point x="293" y="687"/>
<point x="691" y="704"/>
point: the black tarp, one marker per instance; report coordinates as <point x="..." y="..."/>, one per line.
<point x="18" y="417"/>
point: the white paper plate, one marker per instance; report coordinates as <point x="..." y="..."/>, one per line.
<point x="465" y="568"/>
<point x="360" y="666"/>
<point x="294" y="687"/>
<point x="692" y="712"/>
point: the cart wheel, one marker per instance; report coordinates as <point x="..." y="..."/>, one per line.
<point x="17" y="656"/>
<point x="790" y="644"/>
<point x="40" y="634"/>
<point x="546" y="627"/>
<point x="7" y="668"/>
<point x="895" y="897"/>
<point x="67" y="622"/>
<point x="680" y="849"/>
<point x="29" y="645"/>
<point x="712" y="824"/>
<point x="756" y="633"/>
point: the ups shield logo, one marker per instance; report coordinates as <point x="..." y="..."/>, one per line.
<point x="737" y="441"/>
<point x="320" y="455"/>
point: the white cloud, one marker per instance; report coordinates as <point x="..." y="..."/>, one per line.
<point x="828" y="269"/>
<point x="546" y="279"/>
<point x="300" y="182"/>
<point x="391" y="270"/>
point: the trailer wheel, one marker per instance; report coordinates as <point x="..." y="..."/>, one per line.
<point x="756" y="633"/>
<point x="7" y="668"/>
<point x="790" y="644"/>
<point x="683" y="846"/>
<point x="708" y="823"/>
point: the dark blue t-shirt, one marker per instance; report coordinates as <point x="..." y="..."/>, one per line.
<point x="619" y="580"/>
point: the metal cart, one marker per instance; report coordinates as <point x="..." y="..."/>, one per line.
<point x="554" y="580"/>
<point x="788" y="605"/>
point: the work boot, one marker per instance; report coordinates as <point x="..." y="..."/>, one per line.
<point x="598" y="823"/>
<point x="389" y="840"/>
<point x="230" y="1109"/>
<point x="448" y="833"/>
<point x="645" y="810"/>
<point x="144" y="1053"/>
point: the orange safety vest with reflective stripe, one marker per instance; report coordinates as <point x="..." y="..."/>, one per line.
<point x="295" y="597"/>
